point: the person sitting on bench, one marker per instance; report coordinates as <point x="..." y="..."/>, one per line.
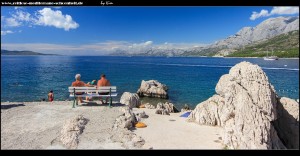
<point x="79" y="83"/>
<point x="103" y="82"/>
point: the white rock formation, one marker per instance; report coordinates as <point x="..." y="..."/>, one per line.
<point x="153" y="88"/>
<point x="287" y="124"/>
<point x="245" y="106"/>
<point x="127" y="120"/>
<point x="121" y="132"/>
<point x="165" y="109"/>
<point x="149" y="106"/>
<point x="71" y="130"/>
<point x="130" y="99"/>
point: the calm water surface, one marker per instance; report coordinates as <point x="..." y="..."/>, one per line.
<point x="191" y="80"/>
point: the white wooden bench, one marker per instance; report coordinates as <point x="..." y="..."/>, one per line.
<point x="93" y="92"/>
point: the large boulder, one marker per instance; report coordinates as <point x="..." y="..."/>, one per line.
<point x="71" y="130"/>
<point x="287" y="124"/>
<point x="127" y="120"/>
<point x="153" y="88"/>
<point x="132" y="100"/>
<point x="166" y="108"/>
<point x="245" y="106"/>
<point x="121" y="132"/>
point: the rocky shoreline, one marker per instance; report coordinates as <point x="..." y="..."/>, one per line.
<point x="245" y="113"/>
<point x="250" y="112"/>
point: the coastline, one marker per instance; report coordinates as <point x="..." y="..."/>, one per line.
<point x="262" y="57"/>
<point x="37" y="125"/>
<point x="148" y="56"/>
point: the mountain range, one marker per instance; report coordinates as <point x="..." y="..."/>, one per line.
<point x="247" y="36"/>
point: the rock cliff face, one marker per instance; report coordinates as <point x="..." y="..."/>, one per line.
<point x="287" y="124"/>
<point x="266" y="29"/>
<point x="246" y="107"/>
<point x="153" y="88"/>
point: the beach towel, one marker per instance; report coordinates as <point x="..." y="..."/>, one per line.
<point x="140" y="125"/>
<point x="185" y="115"/>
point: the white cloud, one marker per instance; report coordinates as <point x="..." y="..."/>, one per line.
<point x="16" y="8"/>
<point x="2" y="21"/>
<point x="57" y="7"/>
<point x="275" y="11"/>
<point x="11" y="22"/>
<point x="100" y="48"/>
<point x="48" y="17"/>
<point x="141" y="45"/>
<point x="285" y="10"/>
<point x="148" y="43"/>
<point x="44" y="17"/>
<point x="22" y="16"/>
<point x="85" y="49"/>
<point x="17" y="18"/>
<point x="106" y="46"/>
<point x="43" y="48"/>
<point x="6" y="32"/>
<point x="256" y="15"/>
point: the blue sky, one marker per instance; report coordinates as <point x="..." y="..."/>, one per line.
<point x="98" y="30"/>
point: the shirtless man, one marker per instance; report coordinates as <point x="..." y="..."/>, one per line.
<point x="103" y="82"/>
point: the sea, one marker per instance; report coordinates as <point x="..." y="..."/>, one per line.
<point x="190" y="80"/>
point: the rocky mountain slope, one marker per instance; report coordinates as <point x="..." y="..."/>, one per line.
<point x="246" y="36"/>
<point x="265" y="30"/>
<point x="283" y="45"/>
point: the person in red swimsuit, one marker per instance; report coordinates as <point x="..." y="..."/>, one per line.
<point x="103" y="82"/>
<point x="51" y="96"/>
<point x="79" y="83"/>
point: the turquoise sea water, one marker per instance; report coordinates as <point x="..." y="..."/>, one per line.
<point x="191" y="80"/>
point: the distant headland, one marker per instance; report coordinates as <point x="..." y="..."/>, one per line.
<point x="26" y="52"/>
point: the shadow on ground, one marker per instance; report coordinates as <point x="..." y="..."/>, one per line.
<point x="95" y="104"/>
<point x="11" y="106"/>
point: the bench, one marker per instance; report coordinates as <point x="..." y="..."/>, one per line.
<point x="93" y="92"/>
